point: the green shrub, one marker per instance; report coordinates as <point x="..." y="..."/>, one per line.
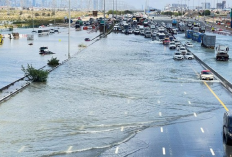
<point x="35" y="75"/>
<point x="53" y="62"/>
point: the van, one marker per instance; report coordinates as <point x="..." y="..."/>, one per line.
<point x="227" y="127"/>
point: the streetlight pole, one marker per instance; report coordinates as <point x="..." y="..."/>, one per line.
<point x="113" y="9"/>
<point x="104" y="30"/>
<point x="69" y="20"/>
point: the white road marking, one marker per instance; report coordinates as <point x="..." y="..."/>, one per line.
<point x="158" y="102"/>
<point x="185" y="93"/>
<point x="122" y="128"/>
<point x="195" y="114"/>
<point x="160" y="114"/>
<point x="202" y="130"/>
<point x="212" y="152"/>
<point x="164" y="151"/>
<point x="125" y="113"/>
<point x="21" y="149"/>
<point x="82" y="127"/>
<point x="161" y="129"/>
<point x="189" y="102"/>
<point x="116" y="151"/>
<point x="69" y="149"/>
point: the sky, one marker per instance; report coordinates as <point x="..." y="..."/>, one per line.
<point x="160" y="4"/>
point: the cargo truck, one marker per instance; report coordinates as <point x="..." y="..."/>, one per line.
<point x="222" y="53"/>
<point x="208" y="41"/>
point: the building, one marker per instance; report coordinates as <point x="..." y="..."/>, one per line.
<point x="205" y="5"/>
<point x="219" y="6"/>
<point x="223" y="4"/>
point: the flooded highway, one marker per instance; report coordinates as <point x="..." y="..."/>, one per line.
<point x="104" y="96"/>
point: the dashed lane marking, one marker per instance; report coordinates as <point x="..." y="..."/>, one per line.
<point x="202" y="130"/>
<point x="69" y="149"/>
<point x="212" y="152"/>
<point x="116" y="150"/>
<point x="160" y="114"/>
<point x="164" y="151"/>
<point x="122" y="128"/>
<point x="21" y="149"/>
<point x="161" y="129"/>
<point x="195" y="114"/>
<point x="189" y="102"/>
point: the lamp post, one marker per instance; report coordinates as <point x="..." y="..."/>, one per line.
<point x="69" y="20"/>
<point x="104" y="30"/>
<point x="113" y="9"/>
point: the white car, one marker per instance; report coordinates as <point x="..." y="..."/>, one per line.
<point x="178" y="56"/>
<point x="183" y="50"/>
<point x="189" y="55"/>
<point x="206" y="75"/>
<point x="188" y="44"/>
<point x="172" y="45"/>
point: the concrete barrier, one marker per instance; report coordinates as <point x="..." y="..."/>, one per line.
<point x="224" y="82"/>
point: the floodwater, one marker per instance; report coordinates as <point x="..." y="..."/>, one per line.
<point x="209" y="55"/>
<point x="101" y="97"/>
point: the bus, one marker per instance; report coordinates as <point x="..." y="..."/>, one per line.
<point x="43" y="32"/>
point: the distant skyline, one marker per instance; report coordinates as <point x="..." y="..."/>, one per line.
<point x="160" y="4"/>
<point x="122" y="4"/>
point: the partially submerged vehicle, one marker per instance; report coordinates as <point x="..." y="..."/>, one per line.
<point x="222" y="53"/>
<point x="178" y="56"/>
<point x="206" y="75"/>
<point x="87" y="39"/>
<point x="189" y="56"/>
<point x="172" y="45"/>
<point x="166" y="41"/>
<point x="44" y="51"/>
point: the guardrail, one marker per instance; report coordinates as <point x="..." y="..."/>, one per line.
<point x="224" y="82"/>
<point x="12" y="93"/>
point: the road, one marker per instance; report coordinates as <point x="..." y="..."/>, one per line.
<point x="122" y="96"/>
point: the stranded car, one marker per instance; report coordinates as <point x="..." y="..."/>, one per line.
<point x="206" y="75"/>
<point x="178" y="56"/>
<point x="189" y="56"/>
<point x="172" y="45"/>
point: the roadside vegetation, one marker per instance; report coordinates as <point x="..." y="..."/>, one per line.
<point x="53" y="62"/>
<point x="35" y="75"/>
<point x="25" y="17"/>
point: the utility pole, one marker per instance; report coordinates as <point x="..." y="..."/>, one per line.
<point x="104" y="30"/>
<point x="113" y="11"/>
<point x="116" y="8"/>
<point x="69" y="20"/>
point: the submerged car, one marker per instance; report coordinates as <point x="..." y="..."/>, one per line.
<point x="178" y="56"/>
<point x="189" y="56"/>
<point x="206" y="75"/>
<point x="188" y="44"/>
<point x="183" y="50"/>
<point x="172" y="45"/>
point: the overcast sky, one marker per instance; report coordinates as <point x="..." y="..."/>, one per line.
<point x="160" y="4"/>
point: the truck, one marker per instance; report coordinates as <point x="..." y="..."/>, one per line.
<point x="222" y="53"/>
<point x="202" y="29"/>
<point x="174" y="22"/>
<point x="208" y="41"/>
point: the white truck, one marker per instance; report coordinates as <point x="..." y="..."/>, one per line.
<point x="222" y="53"/>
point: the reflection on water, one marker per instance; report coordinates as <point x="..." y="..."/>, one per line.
<point x="101" y="97"/>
